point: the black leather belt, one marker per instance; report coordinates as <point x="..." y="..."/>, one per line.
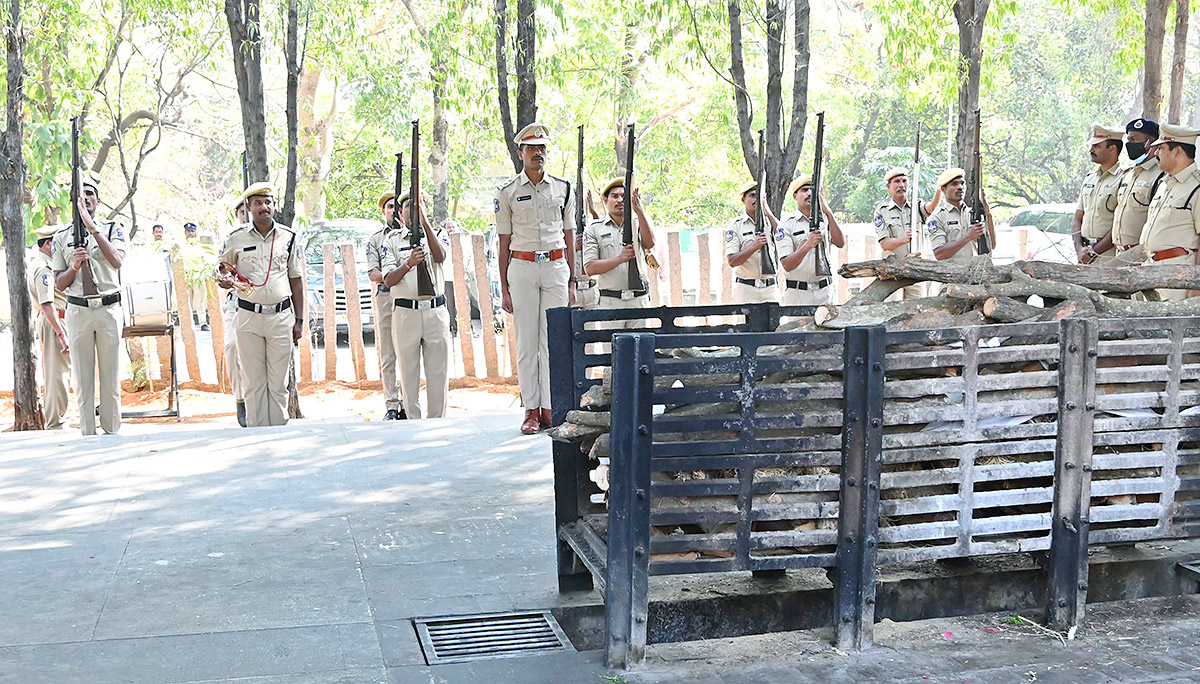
<point x="267" y="308"/>
<point x="801" y="285"/>
<point x="619" y="293"/>
<point x="106" y="300"/>
<point x="434" y="303"/>
<point x="766" y="282"/>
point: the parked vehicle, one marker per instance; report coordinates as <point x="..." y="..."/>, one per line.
<point x="337" y="232"/>
<point x="1048" y="230"/>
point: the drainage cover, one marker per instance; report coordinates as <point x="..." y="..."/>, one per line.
<point x="460" y="638"/>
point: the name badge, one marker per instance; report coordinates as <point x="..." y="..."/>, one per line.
<point x="524" y="198"/>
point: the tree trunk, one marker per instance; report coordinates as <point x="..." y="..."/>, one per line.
<point x="316" y="142"/>
<point x="27" y="410"/>
<point x="439" y="149"/>
<point x="526" y="61"/>
<point x="1156" y="29"/>
<point x="783" y="153"/>
<point x="1179" y="61"/>
<point x="970" y="15"/>
<point x="244" y="20"/>
<point x="293" y="60"/>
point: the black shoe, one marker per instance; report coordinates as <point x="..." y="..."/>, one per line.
<point x="241" y="413"/>
<point x="392" y="414"/>
<point x="204" y="327"/>
<point x="401" y="415"/>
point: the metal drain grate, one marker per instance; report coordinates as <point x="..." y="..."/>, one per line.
<point x="460" y="638"/>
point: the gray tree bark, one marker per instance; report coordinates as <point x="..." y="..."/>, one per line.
<point x="27" y="409"/>
<point x="1179" y="61"/>
<point x="294" y="60"/>
<point x="525" y="59"/>
<point x="970" y="15"/>
<point x="1156" y="29"/>
<point x="245" y="34"/>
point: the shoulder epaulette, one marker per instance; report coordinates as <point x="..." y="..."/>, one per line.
<point x="508" y="182"/>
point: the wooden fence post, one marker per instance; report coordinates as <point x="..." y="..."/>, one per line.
<point x="675" y="259"/>
<point x="186" y="331"/>
<point x="462" y="306"/>
<point x="216" y="324"/>
<point x="330" y="324"/>
<point x="306" y="349"/>
<point x="486" y="320"/>
<point x="704" y="293"/>
<point x="353" y="313"/>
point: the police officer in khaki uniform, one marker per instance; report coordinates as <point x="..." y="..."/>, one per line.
<point x="52" y="339"/>
<point x="951" y="235"/>
<point x="90" y="278"/>
<point x="1092" y="227"/>
<point x="1172" y="234"/>
<point x="261" y="261"/>
<point x="798" y="246"/>
<point x="893" y="222"/>
<point x="742" y="246"/>
<point x="384" y="305"/>
<point x="1135" y="190"/>
<point x="533" y="222"/>
<point x="607" y="259"/>
<point x="420" y="323"/>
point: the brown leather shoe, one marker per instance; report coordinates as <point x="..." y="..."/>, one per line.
<point x="544" y="418"/>
<point x="530" y="426"/>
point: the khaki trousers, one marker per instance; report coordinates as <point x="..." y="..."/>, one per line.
<point x="915" y="291"/>
<point x="1173" y="295"/>
<point x="228" y="311"/>
<point x="423" y="334"/>
<point x="821" y="297"/>
<point x="264" y="347"/>
<point x="386" y="348"/>
<point x="642" y="302"/>
<point x="94" y="333"/>
<point x="534" y="288"/>
<point x="56" y="373"/>
<point x="198" y="300"/>
<point x="748" y="294"/>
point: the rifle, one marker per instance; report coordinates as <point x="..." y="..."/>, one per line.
<point x="79" y="231"/>
<point x="822" y="260"/>
<point x="760" y="218"/>
<point x="978" y="215"/>
<point x="579" y="218"/>
<point x="917" y="243"/>
<point x="425" y="286"/>
<point x="245" y="172"/>
<point x="636" y="282"/>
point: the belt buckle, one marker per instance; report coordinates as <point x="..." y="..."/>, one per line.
<point x="424" y="304"/>
<point x="626" y="294"/>
<point x="541" y="257"/>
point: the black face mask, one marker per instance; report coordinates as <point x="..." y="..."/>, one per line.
<point x="1135" y="149"/>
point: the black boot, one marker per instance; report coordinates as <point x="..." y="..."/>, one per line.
<point x="401" y="415"/>
<point x="241" y="413"/>
<point x="391" y="414"/>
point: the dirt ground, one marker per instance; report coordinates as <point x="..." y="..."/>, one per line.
<point x="207" y="403"/>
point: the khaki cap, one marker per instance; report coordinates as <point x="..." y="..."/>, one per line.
<point x="1173" y="133"/>
<point x="90" y="178"/>
<point x="385" y="197"/>
<point x="1100" y="133"/>
<point x="747" y="187"/>
<point x="48" y="231"/>
<point x="800" y="182"/>
<point x="533" y="134"/>
<point x="950" y="175"/>
<point x="893" y="172"/>
<point x="263" y="189"/>
<point x="618" y="182"/>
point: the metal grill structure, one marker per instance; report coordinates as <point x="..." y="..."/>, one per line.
<point x="858" y="448"/>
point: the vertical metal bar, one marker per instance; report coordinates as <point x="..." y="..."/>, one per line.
<point x="1068" y="569"/>
<point x="862" y="462"/>
<point x="572" y="575"/>
<point x="626" y="605"/>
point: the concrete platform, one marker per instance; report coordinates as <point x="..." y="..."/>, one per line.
<point x="298" y="555"/>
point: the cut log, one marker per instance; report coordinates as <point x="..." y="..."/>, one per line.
<point x="1009" y="310"/>
<point x="879" y="290"/>
<point x="841" y="317"/>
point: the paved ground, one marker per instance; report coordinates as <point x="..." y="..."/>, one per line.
<point x="298" y="555"/>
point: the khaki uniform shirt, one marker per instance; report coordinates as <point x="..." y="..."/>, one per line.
<point x="1133" y="201"/>
<point x="41" y="284"/>
<point x="738" y="237"/>
<point x="603" y="239"/>
<point x="106" y="277"/>
<point x="1174" y="218"/>
<point x="536" y="216"/>
<point x="893" y="221"/>
<point x="793" y="232"/>
<point x="1098" y="201"/>
<point x="394" y="252"/>
<point x="950" y="224"/>
<point x="268" y="261"/>
<point x="375" y="252"/>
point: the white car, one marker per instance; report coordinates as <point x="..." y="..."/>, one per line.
<point x="1047" y="228"/>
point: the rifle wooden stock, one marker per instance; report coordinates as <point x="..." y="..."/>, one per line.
<point x="425" y="286"/>
<point x="821" y="264"/>
<point x="760" y="216"/>
<point x="983" y="244"/>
